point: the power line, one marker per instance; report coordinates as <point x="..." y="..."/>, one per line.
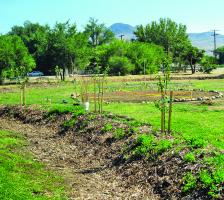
<point x="215" y="45"/>
<point x="121" y="36"/>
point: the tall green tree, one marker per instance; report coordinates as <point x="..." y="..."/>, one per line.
<point x="35" y="37"/>
<point x="208" y="63"/>
<point x="165" y="33"/>
<point x="220" y="53"/>
<point x="192" y="56"/>
<point x="147" y="58"/>
<point x="15" y="59"/>
<point x="98" y="33"/>
<point x="68" y="48"/>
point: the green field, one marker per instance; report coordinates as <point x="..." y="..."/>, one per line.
<point x="188" y="118"/>
<point x="21" y="177"/>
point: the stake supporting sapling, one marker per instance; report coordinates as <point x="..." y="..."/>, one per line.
<point x="163" y="82"/>
<point x="170" y="111"/>
<point x="23" y="91"/>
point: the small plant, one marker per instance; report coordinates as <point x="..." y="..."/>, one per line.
<point x="196" y="142"/>
<point x="135" y="123"/>
<point x="133" y="130"/>
<point x="69" y="124"/>
<point x="189" y="182"/>
<point x="162" y="146"/>
<point x="107" y="128"/>
<point x="119" y="133"/>
<point x="205" y="178"/>
<point x="189" y="157"/>
<point x="144" y="144"/>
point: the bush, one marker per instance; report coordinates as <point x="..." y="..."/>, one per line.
<point x="208" y="63"/>
<point x="120" y="66"/>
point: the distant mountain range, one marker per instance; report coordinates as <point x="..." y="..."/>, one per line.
<point x="201" y="40"/>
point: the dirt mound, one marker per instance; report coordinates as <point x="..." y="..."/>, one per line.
<point x="105" y="146"/>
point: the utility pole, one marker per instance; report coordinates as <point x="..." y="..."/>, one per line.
<point x="121" y="36"/>
<point x="214" y="35"/>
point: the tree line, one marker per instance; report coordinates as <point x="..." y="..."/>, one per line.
<point x="96" y="50"/>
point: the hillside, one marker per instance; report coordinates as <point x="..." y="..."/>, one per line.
<point x="205" y="40"/>
<point x="201" y="40"/>
<point x="123" y="29"/>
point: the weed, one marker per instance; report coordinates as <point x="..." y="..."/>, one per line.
<point x="196" y="142"/>
<point x="144" y="144"/>
<point x="69" y="124"/>
<point x="205" y="178"/>
<point x="162" y="146"/>
<point x="119" y="133"/>
<point x="189" y="182"/>
<point x="189" y="157"/>
<point x="148" y="145"/>
<point x="133" y="130"/>
<point x="107" y="128"/>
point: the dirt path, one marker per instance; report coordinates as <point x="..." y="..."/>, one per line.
<point x="86" y="173"/>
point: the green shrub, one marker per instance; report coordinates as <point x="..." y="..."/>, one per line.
<point x="189" y="157"/>
<point x="119" y="133"/>
<point x="120" y="65"/>
<point x="189" y="182"/>
<point x="78" y="110"/>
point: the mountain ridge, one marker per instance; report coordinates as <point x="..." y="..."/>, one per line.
<point x="203" y="40"/>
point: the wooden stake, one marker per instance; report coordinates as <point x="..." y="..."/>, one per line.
<point x="94" y="85"/>
<point x="21" y="97"/>
<point x="170" y="111"/>
<point x="102" y="93"/>
<point x="162" y="112"/>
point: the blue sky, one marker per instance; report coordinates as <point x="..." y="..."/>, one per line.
<point x="198" y="15"/>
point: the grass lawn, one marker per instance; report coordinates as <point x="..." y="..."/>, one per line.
<point x="188" y="118"/>
<point x="22" y="178"/>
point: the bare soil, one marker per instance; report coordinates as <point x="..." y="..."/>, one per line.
<point x="93" y="162"/>
<point x="139" y="96"/>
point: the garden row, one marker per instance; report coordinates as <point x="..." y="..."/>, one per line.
<point x="175" y="166"/>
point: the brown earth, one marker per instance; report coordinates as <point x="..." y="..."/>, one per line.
<point x="92" y="160"/>
<point x="140" y="96"/>
<point x="87" y="174"/>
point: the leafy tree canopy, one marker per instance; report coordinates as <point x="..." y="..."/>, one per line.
<point x="15" y="59"/>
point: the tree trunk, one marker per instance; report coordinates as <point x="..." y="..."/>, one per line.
<point x="1" y="78"/>
<point x="63" y="74"/>
<point x="192" y="67"/>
